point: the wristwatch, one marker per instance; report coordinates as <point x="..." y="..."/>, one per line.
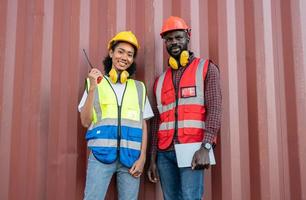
<point x="206" y="145"/>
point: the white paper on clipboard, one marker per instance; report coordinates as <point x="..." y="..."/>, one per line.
<point x="184" y="154"/>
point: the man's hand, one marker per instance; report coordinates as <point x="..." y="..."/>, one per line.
<point x="152" y="171"/>
<point x="200" y="159"/>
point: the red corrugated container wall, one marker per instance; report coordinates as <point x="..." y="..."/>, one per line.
<point x="259" y="45"/>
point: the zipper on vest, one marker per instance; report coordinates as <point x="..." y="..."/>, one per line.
<point x="119" y="127"/>
<point x="176" y="107"/>
<point x="176" y="119"/>
<point x="119" y="117"/>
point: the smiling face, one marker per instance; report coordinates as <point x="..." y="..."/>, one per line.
<point x="176" y="42"/>
<point x="122" y="56"/>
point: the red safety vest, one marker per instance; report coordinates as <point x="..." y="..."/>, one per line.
<point x="184" y="110"/>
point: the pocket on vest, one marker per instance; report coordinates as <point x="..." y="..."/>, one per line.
<point x="192" y="112"/>
<point x="131" y="113"/>
<point x="109" y="110"/>
<point x="128" y="156"/>
<point x="135" y="133"/>
<point x="168" y="96"/>
<point x="107" y="132"/>
<point x="105" y="155"/>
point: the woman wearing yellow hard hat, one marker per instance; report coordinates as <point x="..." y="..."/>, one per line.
<point x="115" y="111"/>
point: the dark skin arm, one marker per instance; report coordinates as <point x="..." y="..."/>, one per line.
<point x="152" y="171"/>
<point x="200" y="159"/>
<point x="213" y="118"/>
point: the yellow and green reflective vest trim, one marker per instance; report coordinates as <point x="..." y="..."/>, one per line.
<point x="117" y="128"/>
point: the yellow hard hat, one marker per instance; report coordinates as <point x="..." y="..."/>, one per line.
<point x="125" y="36"/>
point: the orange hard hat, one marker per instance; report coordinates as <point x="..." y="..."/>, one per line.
<point x="174" y="23"/>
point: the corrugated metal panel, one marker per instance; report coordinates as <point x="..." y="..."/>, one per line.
<point x="260" y="47"/>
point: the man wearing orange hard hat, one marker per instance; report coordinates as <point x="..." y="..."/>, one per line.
<point x="115" y="108"/>
<point x="187" y="117"/>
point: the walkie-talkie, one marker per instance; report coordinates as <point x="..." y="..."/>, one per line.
<point x="99" y="79"/>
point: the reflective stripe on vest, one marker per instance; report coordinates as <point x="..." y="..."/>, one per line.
<point x="182" y="124"/>
<point x="113" y="143"/>
<point x="191" y="110"/>
<point x="103" y="134"/>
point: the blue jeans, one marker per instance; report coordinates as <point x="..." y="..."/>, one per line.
<point x="99" y="176"/>
<point x="178" y="183"/>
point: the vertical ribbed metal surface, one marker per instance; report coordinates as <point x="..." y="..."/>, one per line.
<point x="260" y="46"/>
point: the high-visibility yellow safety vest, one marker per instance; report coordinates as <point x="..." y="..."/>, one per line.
<point x="117" y="130"/>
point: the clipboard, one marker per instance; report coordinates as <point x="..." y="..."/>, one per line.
<point x="184" y="154"/>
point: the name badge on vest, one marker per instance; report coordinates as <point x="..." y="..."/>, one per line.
<point x="188" y="92"/>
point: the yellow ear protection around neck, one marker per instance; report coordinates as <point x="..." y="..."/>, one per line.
<point x="184" y="58"/>
<point x="114" y="76"/>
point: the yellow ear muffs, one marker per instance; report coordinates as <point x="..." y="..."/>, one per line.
<point x="113" y="76"/>
<point x="173" y="63"/>
<point x="124" y="76"/>
<point x="184" y="58"/>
